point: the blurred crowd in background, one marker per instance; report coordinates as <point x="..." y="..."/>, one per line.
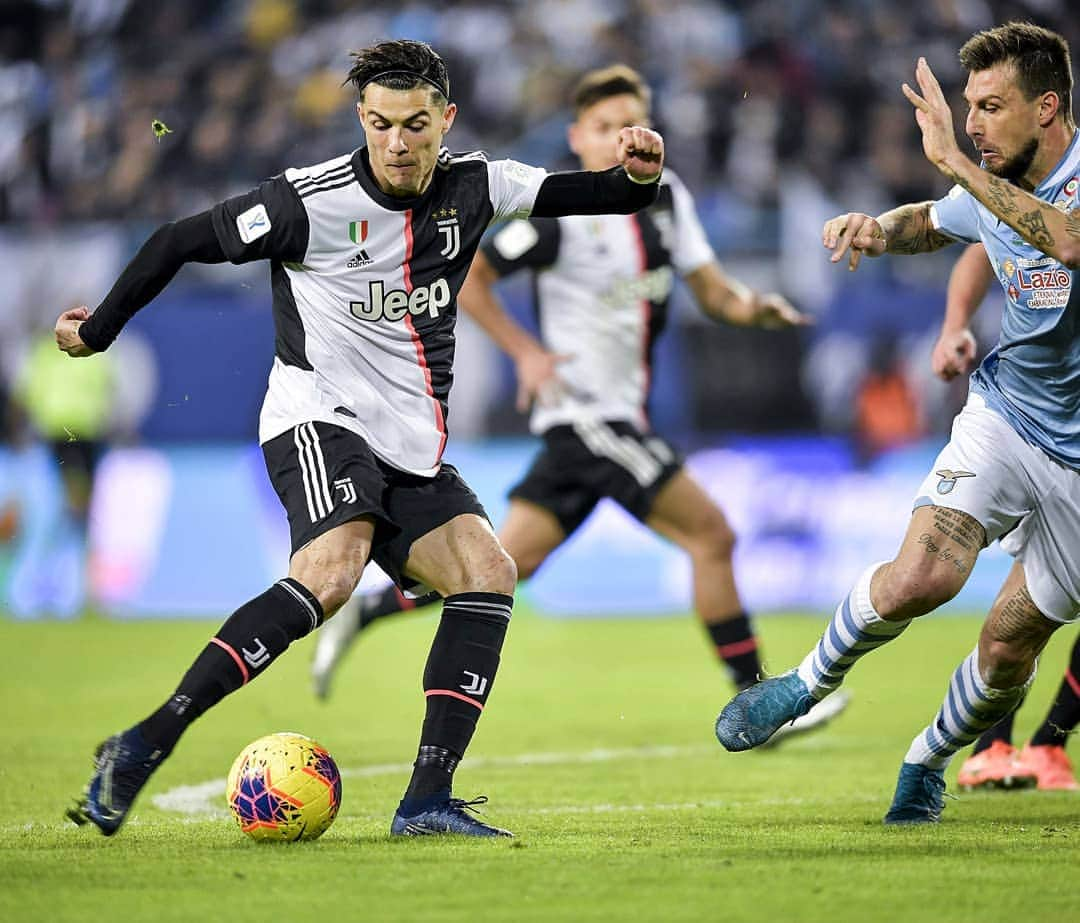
<point x="777" y="115"/>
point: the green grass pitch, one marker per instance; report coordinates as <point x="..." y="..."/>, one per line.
<point x="597" y="750"/>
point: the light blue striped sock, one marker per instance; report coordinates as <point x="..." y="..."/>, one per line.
<point x="855" y="630"/>
<point x="970" y="707"/>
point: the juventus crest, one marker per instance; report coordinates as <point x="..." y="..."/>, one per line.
<point x="447" y="223"/>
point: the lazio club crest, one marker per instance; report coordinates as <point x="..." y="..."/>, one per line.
<point x="949" y="479"/>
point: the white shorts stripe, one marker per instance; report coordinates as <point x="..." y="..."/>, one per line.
<point x="301" y="455"/>
<point x="323" y="482"/>
<point x="602" y="440"/>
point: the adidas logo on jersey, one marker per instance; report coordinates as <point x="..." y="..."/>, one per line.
<point x="361" y="259"/>
<point x="396" y="303"/>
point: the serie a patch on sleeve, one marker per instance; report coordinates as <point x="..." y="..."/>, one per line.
<point x="253" y="223"/>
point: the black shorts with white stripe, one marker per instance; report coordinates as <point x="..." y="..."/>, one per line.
<point x="582" y="463"/>
<point x="326" y="476"/>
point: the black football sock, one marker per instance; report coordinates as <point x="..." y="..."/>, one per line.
<point x="249" y="641"/>
<point x="388" y="601"/>
<point x="736" y="645"/>
<point x="458" y="678"/>
<point x="1001" y="731"/>
<point x="1064" y="714"/>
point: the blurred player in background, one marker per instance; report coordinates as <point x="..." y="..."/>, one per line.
<point x="994" y="761"/>
<point x="603" y="285"/>
<point x="1011" y="470"/>
<point x="367" y="252"/>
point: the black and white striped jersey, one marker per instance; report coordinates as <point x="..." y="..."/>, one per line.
<point x="364" y="292"/>
<point x="602" y="289"/>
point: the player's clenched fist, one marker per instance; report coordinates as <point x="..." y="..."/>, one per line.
<point x="67" y="332"/>
<point x="641" y="153"/>
<point x="854" y="232"/>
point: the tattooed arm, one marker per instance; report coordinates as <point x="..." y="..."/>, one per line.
<point x="1038" y="222"/>
<point x="906" y="229"/>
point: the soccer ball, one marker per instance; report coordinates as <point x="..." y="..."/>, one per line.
<point x="284" y="787"/>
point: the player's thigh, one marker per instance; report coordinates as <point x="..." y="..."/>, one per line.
<point x="932" y="565"/>
<point x="460" y="556"/>
<point x="1014" y="633"/>
<point x="684" y="513"/>
<point x="529" y="534"/>
<point x="1047" y="541"/>
<point x="331" y="487"/>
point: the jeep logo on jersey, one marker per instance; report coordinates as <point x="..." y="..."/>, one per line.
<point x="396" y="303"/>
<point x="358" y="231"/>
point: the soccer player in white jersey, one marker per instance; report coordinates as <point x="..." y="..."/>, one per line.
<point x="994" y="761"/>
<point x="602" y="289"/>
<point x="367" y="252"/>
<point x="1011" y="470"/>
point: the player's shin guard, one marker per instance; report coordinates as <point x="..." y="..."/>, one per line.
<point x="855" y="630"/>
<point x="457" y="682"/>
<point x="249" y="641"/>
<point x="970" y="707"/>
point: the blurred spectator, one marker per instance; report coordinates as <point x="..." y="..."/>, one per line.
<point x="68" y="406"/>
<point x="888" y="415"/>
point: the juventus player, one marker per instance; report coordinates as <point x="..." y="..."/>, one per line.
<point x="602" y="290"/>
<point x="367" y="252"/>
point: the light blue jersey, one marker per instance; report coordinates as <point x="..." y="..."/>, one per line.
<point x="1032" y="377"/>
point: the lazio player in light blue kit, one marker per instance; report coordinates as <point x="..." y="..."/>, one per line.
<point x="1011" y="471"/>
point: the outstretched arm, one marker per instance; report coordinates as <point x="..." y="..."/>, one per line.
<point x="624" y="189"/>
<point x="190" y="240"/>
<point x="1039" y="223"/>
<point x="536" y="367"/>
<point x="907" y="229"/>
<point x="723" y="297"/>
<point x="954" y="352"/>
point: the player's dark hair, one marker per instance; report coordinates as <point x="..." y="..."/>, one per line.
<point x="1041" y="58"/>
<point x="400" y="64"/>
<point x="609" y="81"/>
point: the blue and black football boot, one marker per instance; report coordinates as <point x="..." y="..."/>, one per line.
<point x="443" y="814"/>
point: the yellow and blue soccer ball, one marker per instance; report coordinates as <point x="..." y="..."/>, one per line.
<point x="284" y="787"/>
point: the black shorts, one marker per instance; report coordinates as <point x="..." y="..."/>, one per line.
<point x="326" y="475"/>
<point x="582" y="463"/>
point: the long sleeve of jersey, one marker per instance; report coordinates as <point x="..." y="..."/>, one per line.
<point x="190" y="240"/>
<point x="584" y="192"/>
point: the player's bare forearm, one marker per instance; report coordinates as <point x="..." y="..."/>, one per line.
<point x="908" y="229"/>
<point x="720" y="296"/>
<point x="477" y="298"/>
<point x="1054" y="233"/>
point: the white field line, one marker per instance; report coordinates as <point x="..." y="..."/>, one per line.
<point x="208" y="798"/>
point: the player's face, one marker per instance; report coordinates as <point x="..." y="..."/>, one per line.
<point x="594" y="135"/>
<point x="404" y="131"/>
<point x="1004" y="126"/>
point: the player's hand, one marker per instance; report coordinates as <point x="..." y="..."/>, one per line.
<point x="67" y="332"/>
<point x="774" y="311"/>
<point x="641" y="153"/>
<point x="953" y="354"/>
<point x="854" y="232"/>
<point x="538" y="378"/>
<point x="934" y="116"/>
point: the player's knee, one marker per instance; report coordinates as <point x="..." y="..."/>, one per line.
<point x="332" y="586"/>
<point x="903" y="593"/>
<point x="1004" y="663"/>
<point x="493" y="571"/>
<point x="714" y="539"/>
